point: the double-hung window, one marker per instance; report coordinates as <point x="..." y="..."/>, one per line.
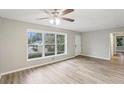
<point x="60" y="44"/>
<point x="35" y="45"/>
<point x="49" y="44"/>
<point x="44" y="44"/>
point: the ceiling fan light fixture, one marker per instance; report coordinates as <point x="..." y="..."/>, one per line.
<point x="55" y="21"/>
<point x="56" y="15"/>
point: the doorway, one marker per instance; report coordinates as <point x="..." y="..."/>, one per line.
<point x="77" y="45"/>
<point x="117" y="47"/>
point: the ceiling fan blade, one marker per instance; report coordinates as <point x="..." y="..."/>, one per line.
<point x="67" y="11"/>
<point x="42" y="18"/>
<point x="68" y="19"/>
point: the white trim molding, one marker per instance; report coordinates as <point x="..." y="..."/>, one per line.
<point x="96" y="57"/>
<point x="21" y="69"/>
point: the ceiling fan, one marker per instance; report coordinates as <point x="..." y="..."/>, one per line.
<point x="55" y="15"/>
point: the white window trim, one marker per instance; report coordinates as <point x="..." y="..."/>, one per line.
<point x="43" y="53"/>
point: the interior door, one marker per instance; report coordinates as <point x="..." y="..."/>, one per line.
<point x="77" y="45"/>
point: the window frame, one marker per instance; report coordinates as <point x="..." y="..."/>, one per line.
<point x="43" y="44"/>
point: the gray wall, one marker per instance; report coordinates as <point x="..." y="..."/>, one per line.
<point x="13" y="44"/>
<point x="97" y="43"/>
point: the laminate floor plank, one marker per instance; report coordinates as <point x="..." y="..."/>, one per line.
<point x="79" y="70"/>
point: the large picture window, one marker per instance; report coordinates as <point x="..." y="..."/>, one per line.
<point x="44" y="44"/>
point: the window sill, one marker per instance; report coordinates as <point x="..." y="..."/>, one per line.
<point x="33" y="59"/>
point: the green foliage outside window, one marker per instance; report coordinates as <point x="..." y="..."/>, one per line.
<point x="119" y="41"/>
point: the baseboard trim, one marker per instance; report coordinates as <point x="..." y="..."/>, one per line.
<point x="100" y="58"/>
<point x="21" y="69"/>
<point x="52" y="62"/>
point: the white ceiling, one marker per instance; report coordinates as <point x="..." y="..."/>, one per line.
<point x="85" y="19"/>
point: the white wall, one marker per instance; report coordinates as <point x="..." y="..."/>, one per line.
<point x="97" y="43"/>
<point x="13" y="44"/>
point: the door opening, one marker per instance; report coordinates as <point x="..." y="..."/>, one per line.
<point x="117" y="47"/>
<point x="77" y="45"/>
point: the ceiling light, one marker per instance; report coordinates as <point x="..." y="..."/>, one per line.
<point x="55" y="21"/>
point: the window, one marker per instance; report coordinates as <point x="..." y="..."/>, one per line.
<point x="120" y="40"/>
<point x="60" y="44"/>
<point x="34" y="45"/>
<point x="44" y="44"/>
<point x="49" y="44"/>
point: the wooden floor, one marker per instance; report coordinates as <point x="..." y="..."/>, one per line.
<point x="79" y="70"/>
<point x="118" y="58"/>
